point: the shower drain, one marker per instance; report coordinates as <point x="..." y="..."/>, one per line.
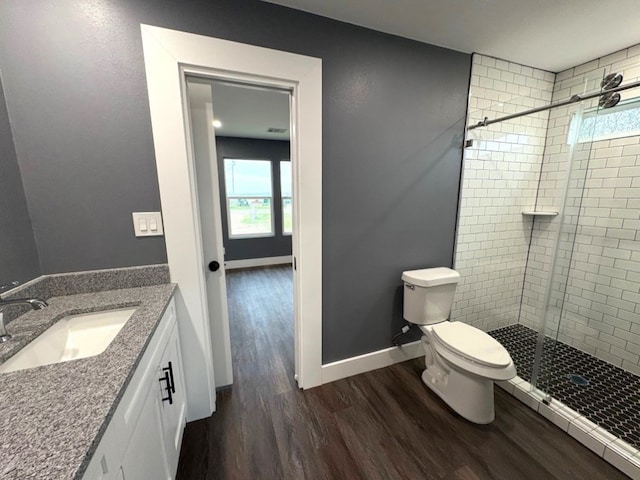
<point x="578" y="380"/>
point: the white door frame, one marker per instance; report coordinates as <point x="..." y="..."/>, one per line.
<point x="168" y="54"/>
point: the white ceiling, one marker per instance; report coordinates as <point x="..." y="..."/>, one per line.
<point x="244" y="111"/>
<point x="550" y="34"/>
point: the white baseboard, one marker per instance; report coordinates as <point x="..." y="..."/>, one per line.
<point x="370" y="361"/>
<point x="257" y="262"/>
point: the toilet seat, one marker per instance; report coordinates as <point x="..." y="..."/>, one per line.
<point x="486" y="359"/>
<point x="472" y="344"/>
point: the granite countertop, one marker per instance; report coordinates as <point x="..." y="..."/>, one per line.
<point x="53" y="416"/>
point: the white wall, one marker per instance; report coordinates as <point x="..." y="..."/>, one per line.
<point x="500" y="180"/>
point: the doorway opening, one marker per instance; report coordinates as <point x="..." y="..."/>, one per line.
<point x="170" y="56"/>
<point x="240" y="135"/>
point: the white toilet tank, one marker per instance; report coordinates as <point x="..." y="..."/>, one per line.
<point x="428" y="294"/>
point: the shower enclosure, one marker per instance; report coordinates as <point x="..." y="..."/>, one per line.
<point x="548" y="243"/>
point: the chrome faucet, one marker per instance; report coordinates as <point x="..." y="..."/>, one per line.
<point x="34" y="303"/>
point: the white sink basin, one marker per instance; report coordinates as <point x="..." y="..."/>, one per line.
<point x="70" y="338"/>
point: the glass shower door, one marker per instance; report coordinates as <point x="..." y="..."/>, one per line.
<point x="588" y="353"/>
<point x="564" y="175"/>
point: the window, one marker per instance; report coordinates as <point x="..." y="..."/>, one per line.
<point x="287" y="207"/>
<point x="623" y="120"/>
<point x="249" y="198"/>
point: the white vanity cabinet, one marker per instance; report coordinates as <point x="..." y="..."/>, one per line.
<point x="144" y="457"/>
<point x="173" y="410"/>
<point x="143" y="438"/>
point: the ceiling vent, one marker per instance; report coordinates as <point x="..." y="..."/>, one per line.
<point x="276" y="130"/>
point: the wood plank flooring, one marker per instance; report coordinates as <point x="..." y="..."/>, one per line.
<point x="383" y="424"/>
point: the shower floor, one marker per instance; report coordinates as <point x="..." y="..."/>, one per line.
<point x="611" y="398"/>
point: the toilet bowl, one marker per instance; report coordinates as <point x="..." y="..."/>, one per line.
<point x="461" y="361"/>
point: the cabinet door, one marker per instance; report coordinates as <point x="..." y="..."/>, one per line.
<point x="173" y="413"/>
<point x="145" y="457"/>
<point x="106" y="459"/>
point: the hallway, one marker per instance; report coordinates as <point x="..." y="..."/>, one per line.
<point x="383" y="424"/>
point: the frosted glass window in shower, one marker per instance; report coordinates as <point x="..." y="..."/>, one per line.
<point x="622" y="120"/>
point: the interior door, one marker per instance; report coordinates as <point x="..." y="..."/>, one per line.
<point x="294" y="239"/>
<point x="204" y="148"/>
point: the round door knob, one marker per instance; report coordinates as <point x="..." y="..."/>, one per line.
<point x="214" y="266"/>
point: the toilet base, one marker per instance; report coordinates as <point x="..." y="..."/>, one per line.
<point x="469" y="396"/>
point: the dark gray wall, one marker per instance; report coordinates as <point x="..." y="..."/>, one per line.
<point x="254" y="149"/>
<point x="74" y="84"/>
<point x="392" y="127"/>
<point x="18" y="253"/>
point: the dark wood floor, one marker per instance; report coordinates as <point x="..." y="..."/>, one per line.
<point x="383" y="424"/>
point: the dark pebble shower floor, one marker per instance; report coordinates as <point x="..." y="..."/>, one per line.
<point x="611" y="398"/>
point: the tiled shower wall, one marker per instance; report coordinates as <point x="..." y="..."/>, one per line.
<point x="601" y="307"/>
<point x="500" y="180"/>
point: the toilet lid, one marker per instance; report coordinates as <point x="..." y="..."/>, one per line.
<point x="472" y="343"/>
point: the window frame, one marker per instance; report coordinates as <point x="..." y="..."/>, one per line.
<point x="283" y="197"/>
<point x="578" y="121"/>
<point x="232" y="236"/>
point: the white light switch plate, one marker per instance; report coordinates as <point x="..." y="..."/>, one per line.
<point x="147" y="224"/>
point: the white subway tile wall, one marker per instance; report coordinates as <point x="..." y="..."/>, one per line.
<point x="504" y="174"/>
<point x="599" y="296"/>
<point x="500" y="180"/>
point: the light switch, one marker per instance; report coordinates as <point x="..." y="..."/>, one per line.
<point x="147" y="224"/>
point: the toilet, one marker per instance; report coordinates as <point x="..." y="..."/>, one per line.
<point x="462" y="362"/>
